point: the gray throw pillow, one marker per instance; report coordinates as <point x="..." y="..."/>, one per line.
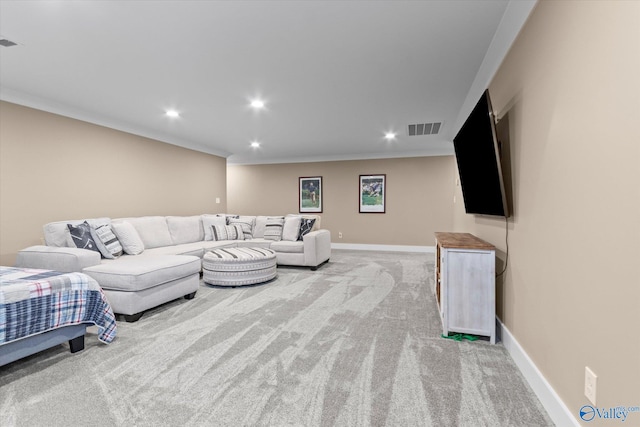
<point x="273" y="228"/>
<point x="81" y="236"/>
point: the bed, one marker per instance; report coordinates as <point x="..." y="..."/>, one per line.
<point x="40" y="309"/>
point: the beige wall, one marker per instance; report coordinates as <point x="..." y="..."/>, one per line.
<point x="570" y="87"/>
<point x="419" y="197"/>
<point x="54" y="168"/>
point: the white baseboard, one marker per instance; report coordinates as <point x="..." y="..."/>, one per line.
<point x="557" y="410"/>
<point x="388" y="248"/>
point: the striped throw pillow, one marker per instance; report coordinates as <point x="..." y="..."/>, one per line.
<point x="246" y="222"/>
<point x="107" y="241"/>
<point x="227" y="232"/>
<point x="273" y="228"/>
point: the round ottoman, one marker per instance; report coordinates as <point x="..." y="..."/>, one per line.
<point x="238" y="266"/>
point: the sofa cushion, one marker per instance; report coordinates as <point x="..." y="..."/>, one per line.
<point x="207" y="246"/>
<point x="138" y="273"/>
<point x="246" y="222"/>
<point x="185" y="229"/>
<point x="153" y="230"/>
<point x="257" y="243"/>
<point x="209" y="220"/>
<point x="64" y="259"/>
<point x="273" y="228"/>
<point x="128" y="237"/>
<point x="286" y="246"/>
<point x="81" y="236"/>
<point x="291" y="228"/>
<point x="193" y="248"/>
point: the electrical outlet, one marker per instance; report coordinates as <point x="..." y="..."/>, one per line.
<point x="339" y="234"/>
<point x="590" y="380"/>
<point x="217" y="199"/>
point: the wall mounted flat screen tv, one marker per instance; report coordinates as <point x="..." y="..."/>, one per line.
<point x="478" y="157"/>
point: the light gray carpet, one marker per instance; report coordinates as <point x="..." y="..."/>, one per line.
<point x="355" y="343"/>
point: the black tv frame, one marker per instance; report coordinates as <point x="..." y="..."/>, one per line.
<point x="479" y="162"/>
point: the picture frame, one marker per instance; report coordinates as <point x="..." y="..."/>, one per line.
<point x="372" y="192"/>
<point x="310" y="194"/>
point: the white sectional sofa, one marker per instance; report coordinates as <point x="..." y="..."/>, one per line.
<point x="162" y="255"/>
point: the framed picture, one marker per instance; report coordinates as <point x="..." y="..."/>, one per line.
<point x="372" y="193"/>
<point x="310" y="194"/>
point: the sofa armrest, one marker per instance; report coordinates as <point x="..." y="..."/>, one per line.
<point x="317" y="247"/>
<point x="65" y="260"/>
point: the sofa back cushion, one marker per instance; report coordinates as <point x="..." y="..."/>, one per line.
<point x="57" y="233"/>
<point x="185" y="229"/>
<point x="153" y="230"/>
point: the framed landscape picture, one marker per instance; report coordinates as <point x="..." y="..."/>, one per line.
<point x="372" y="193"/>
<point x="310" y="195"/>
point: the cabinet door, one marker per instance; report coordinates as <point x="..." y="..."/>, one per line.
<point x="470" y="291"/>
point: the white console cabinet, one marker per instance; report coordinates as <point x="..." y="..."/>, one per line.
<point x="465" y="284"/>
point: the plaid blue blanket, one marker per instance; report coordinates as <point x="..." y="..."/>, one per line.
<point x="35" y="301"/>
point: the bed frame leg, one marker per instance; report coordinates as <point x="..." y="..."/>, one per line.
<point x="192" y="295"/>
<point x="76" y="344"/>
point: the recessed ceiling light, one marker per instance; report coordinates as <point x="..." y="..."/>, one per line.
<point x="255" y="144"/>
<point x="257" y="104"/>
<point x="172" y="113"/>
<point x="390" y="136"/>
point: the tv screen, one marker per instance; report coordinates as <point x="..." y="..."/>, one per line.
<point x="478" y="158"/>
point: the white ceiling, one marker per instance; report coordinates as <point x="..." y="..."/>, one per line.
<point x="335" y="75"/>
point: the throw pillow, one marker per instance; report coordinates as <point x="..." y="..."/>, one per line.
<point x="228" y="217"/>
<point x="306" y="224"/>
<point x="273" y="228"/>
<point x="227" y="232"/>
<point x="210" y="220"/>
<point x="81" y="235"/>
<point x="128" y="237"/>
<point x="246" y="223"/>
<point x="259" y="226"/>
<point x="107" y="242"/>
<point x="291" y="228"/>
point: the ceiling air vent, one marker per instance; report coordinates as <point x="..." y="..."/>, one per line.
<point x="424" y="129"/>
<point x="6" y="43"/>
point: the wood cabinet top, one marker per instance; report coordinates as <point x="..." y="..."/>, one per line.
<point x="462" y="241"/>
